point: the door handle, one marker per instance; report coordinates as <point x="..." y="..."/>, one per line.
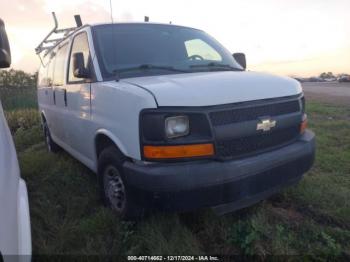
<point x="65" y="96"/>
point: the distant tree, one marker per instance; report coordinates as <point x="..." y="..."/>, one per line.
<point x="327" y="75"/>
<point x="323" y="75"/>
<point x="17" y="78"/>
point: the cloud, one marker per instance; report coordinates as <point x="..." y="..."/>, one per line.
<point x="126" y="16"/>
<point x="281" y="32"/>
<point x="30" y="13"/>
<point x="89" y="11"/>
<point x="29" y="21"/>
<point x="23" y="12"/>
<point x="337" y="62"/>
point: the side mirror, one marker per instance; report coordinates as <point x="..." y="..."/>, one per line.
<point x="5" y="53"/>
<point x="79" y="69"/>
<point x="240" y="58"/>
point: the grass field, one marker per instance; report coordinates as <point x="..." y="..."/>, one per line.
<point x="18" y="97"/>
<point x="312" y="218"/>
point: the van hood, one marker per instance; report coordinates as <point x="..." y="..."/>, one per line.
<point x="215" y="88"/>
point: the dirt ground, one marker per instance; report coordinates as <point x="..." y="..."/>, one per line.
<point x="328" y="92"/>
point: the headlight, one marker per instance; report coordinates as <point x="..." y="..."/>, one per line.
<point x="177" y="126"/>
<point x="159" y="127"/>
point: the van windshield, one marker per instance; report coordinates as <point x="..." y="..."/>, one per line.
<point x="132" y="50"/>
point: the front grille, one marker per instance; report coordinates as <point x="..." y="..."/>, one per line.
<point x="246" y="145"/>
<point x="228" y="121"/>
<point x="225" y="117"/>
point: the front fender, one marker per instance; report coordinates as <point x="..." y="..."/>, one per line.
<point x="112" y="137"/>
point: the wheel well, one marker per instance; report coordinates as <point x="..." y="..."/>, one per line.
<point x="43" y="117"/>
<point x="101" y="142"/>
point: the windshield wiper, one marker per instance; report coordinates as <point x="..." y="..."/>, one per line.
<point x="217" y="65"/>
<point x="148" y="67"/>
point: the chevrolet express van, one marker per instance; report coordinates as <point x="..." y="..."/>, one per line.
<point x="169" y="119"/>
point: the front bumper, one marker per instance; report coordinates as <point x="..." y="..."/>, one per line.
<point x="24" y="226"/>
<point x="226" y="185"/>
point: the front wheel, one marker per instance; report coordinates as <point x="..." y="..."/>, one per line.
<point x="112" y="184"/>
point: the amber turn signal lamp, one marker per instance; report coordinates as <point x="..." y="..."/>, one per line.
<point x="303" y="124"/>
<point x="178" y="151"/>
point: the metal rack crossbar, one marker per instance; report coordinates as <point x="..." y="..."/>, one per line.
<point x="48" y="44"/>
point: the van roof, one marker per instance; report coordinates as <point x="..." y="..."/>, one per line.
<point x="140" y="23"/>
<point x="117" y="23"/>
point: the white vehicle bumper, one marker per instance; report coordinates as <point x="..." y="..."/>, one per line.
<point x="24" y="232"/>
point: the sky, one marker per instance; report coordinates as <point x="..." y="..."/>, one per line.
<point x="285" y="37"/>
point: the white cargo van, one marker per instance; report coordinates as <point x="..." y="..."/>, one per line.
<point x="15" y="232"/>
<point x="169" y="119"/>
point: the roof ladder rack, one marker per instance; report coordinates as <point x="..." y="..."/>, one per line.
<point x="48" y="44"/>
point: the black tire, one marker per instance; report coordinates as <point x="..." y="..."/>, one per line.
<point x="51" y="146"/>
<point x="113" y="190"/>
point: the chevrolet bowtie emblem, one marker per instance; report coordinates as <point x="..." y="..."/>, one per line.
<point x="266" y="124"/>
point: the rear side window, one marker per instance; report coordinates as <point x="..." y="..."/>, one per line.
<point x="80" y="45"/>
<point x="46" y="72"/>
<point x="58" y="78"/>
<point x="50" y="69"/>
<point x="42" y="76"/>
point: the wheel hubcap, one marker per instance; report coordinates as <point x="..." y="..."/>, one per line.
<point x="114" y="188"/>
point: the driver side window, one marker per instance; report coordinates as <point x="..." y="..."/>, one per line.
<point x="80" y="44"/>
<point x="198" y="48"/>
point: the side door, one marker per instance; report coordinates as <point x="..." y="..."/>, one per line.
<point x="78" y="124"/>
<point x="60" y="94"/>
<point x="46" y="94"/>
